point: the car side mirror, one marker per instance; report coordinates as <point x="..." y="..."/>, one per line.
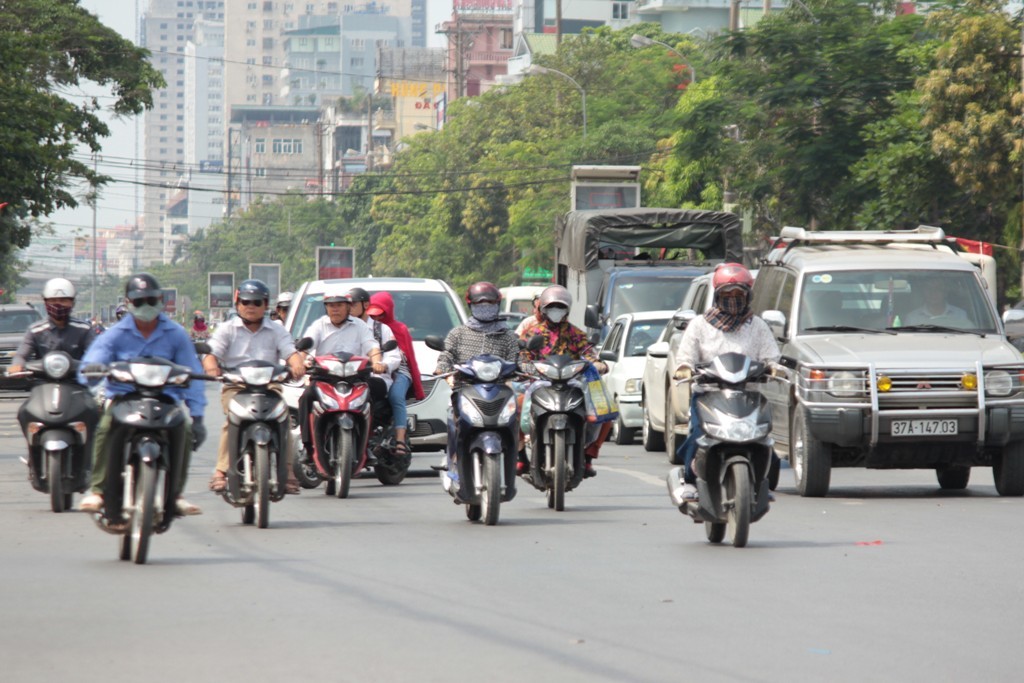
<point x="776" y="323"/>
<point x="608" y="356"/>
<point x="658" y="350"/>
<point x="683" y="318"/>
<point x="591" y="317"/>
<point x="434" y="342"/>
<point x="1014" y="315"/>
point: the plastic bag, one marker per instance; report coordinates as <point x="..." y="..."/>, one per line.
<point x="600" y="403"/>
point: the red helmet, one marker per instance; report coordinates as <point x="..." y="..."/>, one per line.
<point x="482" y="291"/>
<point x="732" y="275"/>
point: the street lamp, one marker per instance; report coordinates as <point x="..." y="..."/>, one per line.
<point x="537" y="70"/>
<point x="639" y="41"/>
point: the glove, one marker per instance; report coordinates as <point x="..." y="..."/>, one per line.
<point x="198" y="432"/>
<point x="683" y="372"/>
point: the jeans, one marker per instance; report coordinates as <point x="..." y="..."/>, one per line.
<point x="396" y="397"/>
<point x="688" y="449"/>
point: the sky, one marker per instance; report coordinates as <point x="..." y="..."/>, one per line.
<point x="117" y="201"/>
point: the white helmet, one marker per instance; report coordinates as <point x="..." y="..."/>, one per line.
<point x="59" y="288"/>
<point x="285" y="299"/>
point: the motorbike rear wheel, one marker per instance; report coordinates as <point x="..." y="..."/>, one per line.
<point x="490" y="496"/>
<point x="262" y="457"/>
<point x="345" y="448"/>
<point x="559" y="472"/>
<point x="715" y="531"/>
<point x="249" y="510"/>
<point x="473" y="512"/>
<point x="55" y="477"/>
<point x="737" y="490"/>
<point x="143" y="510"/>
<point x="302" y="465"/>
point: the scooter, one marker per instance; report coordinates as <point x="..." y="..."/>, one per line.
<point x="258" y="432"/>
<point x="146" y="428"/>
<point x="302" y="462"/>
<point x="389" y="465"/>
<point x="483" y="435"/>
<point x="341" y="418"/>
<point x="558" y="427"/>
<point x="58" y="420"/>
<point x="734" y="454"/>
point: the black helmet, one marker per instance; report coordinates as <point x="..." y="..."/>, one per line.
<point x="252" y="289"/>
<point x="142" y="285"/>
<point x="482" y="291"/>
<point x="358" y="294"/>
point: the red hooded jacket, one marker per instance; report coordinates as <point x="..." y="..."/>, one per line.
<point x="386" y="304"/>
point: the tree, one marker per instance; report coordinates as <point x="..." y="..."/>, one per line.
<point x="47" y="46"/>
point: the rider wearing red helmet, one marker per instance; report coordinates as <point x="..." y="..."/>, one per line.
<point x="729" y="325"/>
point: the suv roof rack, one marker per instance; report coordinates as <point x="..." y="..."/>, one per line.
<point x="922" y="234"/>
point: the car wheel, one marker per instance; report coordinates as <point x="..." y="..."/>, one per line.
<point x="623" y="435"/>
<point x="953" y="477"/>
<point x="810" y="459"/>
<point x="1008" y="469"/>
<point x="671" y="439"/>
<point x="652" y="439"/>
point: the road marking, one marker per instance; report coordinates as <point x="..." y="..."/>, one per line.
<point x="636" y="474"/>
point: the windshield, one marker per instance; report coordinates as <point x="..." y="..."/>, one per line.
<point x="876" y="300"/>
<point x="638" y="295"/>
<point x="16" y="321"/>
<point x="642" y="334"/>
<point x="424" y="313"/>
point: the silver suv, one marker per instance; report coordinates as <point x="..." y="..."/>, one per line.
<point x="896" y="359"/>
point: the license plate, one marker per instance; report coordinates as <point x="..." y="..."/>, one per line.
<point x="924" y="427"/>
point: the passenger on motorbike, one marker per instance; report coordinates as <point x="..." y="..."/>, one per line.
<point x="59" y="332"/>
<point x="121" y="311"/>
<point x="200" y="330"/>
<point x="284" y="302"/>
<point x="729" y="325"/>
<point x="382" y="310"/>
<point x="562" y="337"/>
<point x="147" y="331"/>
<point x="247" y="336"/>
<point x="339" y="332"/>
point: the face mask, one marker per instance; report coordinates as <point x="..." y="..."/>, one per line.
<point x="485" y="313"/>
<point x="733" y="305"/>
<point x="556" y="314"/>
<point x="58" y="312"/>
<point x="145" y="313"/>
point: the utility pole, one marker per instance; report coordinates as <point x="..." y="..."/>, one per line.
<point x="95" y="190"/>
<point x="558" y="23"/>
<point x="734" y="15"/>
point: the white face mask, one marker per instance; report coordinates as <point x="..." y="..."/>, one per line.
<point x="556" y="314"/>
<point x="145" y="313"/>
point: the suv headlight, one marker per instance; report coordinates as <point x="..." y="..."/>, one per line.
<point x="845" y="384"/>
<point x="998" y="383"/>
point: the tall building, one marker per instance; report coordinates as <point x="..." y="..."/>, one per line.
<point x="480" y="43"/>
<point x="540" y="16"/>
<point x="166" y="27"/>
<point x="205" y="125"/>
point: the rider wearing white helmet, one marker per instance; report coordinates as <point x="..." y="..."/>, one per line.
<point x="59" y="332"/>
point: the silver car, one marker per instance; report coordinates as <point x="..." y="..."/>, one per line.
<point x="895" y="359"/>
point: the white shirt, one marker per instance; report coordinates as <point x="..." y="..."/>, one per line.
<point x="352" y="336"/>
<point x="702" y="342"/>
<point x="233" y="343"/>
<point x="948" y="315"/>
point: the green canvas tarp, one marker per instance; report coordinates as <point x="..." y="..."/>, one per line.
<point x="581" y="233"/>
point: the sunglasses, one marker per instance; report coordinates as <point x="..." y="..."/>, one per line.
<point x="146" y="300"/>
<point x="251" y="302"/>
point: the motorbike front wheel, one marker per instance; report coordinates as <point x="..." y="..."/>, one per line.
<point x="559" y="473"/>
<point x="262" y="457"/>
<point x="490" y="497"/>
<point x="737" y="490"/>
<point x="55" y="477"/>
<point x="143" y="510"/>
<point x="344" y="445"/>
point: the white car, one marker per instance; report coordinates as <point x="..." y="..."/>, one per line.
<point x="427" y="307"/>
<point x="628" y="339"/>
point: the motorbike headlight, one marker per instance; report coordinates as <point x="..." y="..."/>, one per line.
<point x="327" y="401"/>
<point x="56" y="365"/>
<point x="509" y="411"/>
<point x="731" y="429"/>
<point x="149" y="375"/>
<point x="258" y="376"/>
<point x="352" y="367"/>
<point x="334" y="367"/>
<point x="998" y="383"/>
<point x="487" y="371"/>
<point x="471" y="412"/>
<point x="359" y="401"/>
<point x="845" y="384"/>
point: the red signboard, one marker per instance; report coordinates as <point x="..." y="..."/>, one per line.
<point x="335" y="262"/>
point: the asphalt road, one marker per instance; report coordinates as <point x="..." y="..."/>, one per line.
<point x="886" y="579"/>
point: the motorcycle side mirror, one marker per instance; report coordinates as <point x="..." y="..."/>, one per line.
<point x="536" y="343"/>
<point x="202" y="348"/>
<point x="434" y="342"/>
<point x="304" y="344"/>
<point x="389" y="345"/>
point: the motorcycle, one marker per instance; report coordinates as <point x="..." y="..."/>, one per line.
<point x="558" y="427"/>
<point x="58" y="420"/>
<point x="389" y="466"/>
<point x="258" y="434"/>
<point x="484" y="431"/>
<point x="302" y="462"/>
<point x="141" y="484"/>
<point x="734" y="454"/>
<point x="341" y="419"/>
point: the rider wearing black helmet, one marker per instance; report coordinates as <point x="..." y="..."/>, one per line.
<point x="360" y="301"/>
<point x="148" y="333"/>
<point x="484" y="332"/>
<point x="250" y="335"/>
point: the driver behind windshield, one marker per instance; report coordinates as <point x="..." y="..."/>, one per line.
<point x="935" y="310"/>
<point x="729" y="325"/>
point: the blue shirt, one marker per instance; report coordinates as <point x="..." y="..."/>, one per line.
<point x="169" y="340"/>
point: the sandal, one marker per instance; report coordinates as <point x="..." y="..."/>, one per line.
<point x="218" y="482"/>
<point x="401" y="448"/>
